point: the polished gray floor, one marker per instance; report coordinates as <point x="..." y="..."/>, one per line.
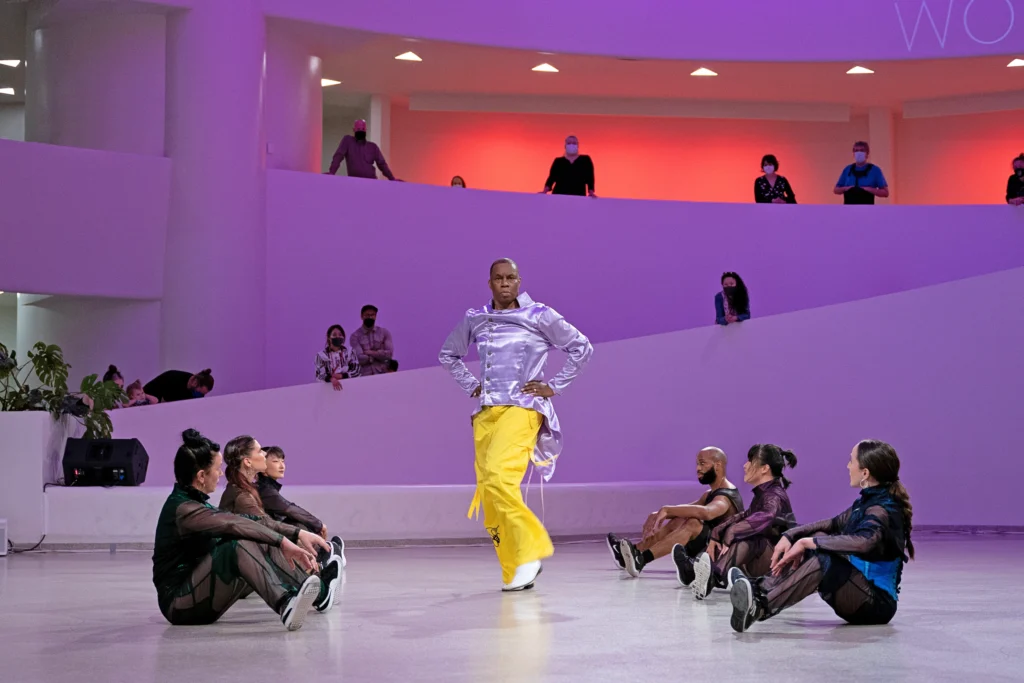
<point x="433" y="614"/>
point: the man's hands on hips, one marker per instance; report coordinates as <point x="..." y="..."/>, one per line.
<point x="538" y="389"/>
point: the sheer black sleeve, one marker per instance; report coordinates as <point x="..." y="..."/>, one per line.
<point x="825" y="526"/>
<point x="192" y="517"/>
<point x="246" y="505"/>
<point x="752" y="523"/>
<point x="276" y="504"/>
<point x="866" y="537"/>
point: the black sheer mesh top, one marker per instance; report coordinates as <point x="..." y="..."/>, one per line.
<point x="770" y="513"/>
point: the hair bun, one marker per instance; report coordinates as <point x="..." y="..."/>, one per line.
<point x="192" y="438"/>
<point x="207" y="371"/>
<point x="113" y="368"/>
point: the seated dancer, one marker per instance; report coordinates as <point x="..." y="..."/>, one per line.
<point x="853" y="561"/>
<point x="689" y="525"/>
<point x="268" y="485"/>
<point x="745" y="540"/>
<point x="204" y="559"/>
<point x="245" y="458"/>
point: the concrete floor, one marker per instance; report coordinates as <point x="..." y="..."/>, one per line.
<point x="434" y="614"/>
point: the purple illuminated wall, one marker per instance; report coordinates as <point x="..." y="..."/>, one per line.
<point x="795" y="30"/>
<point x="934" y="371"/>
<point x="617" y="268"/>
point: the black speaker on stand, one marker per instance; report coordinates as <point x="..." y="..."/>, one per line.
<point x="105" y="462"/>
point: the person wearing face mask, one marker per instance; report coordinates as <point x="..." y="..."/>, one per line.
<point x="744" y="541"/>
<point x="732" y="304"/>
<point x="372" y="344"/>
<point x="457" y="181"/>
<point x="861" y="182"/>
<point x="359" y="155"/>
<point x="1015" y="185"/>
<point x="336" y="362"/>
<point x="572" y="173"/>
<point x="178" y="385"/>
<point x="689" y="525"/>
<point x="771" y="188"/>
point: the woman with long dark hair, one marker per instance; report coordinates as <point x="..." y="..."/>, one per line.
<point x="336" y="362"/>
<point x="245" y="460"/>
<point x="745" y="540"/>
<point x="732" y="304"/>
<point x="205" y="559"/>
<point x="853" y="561"/>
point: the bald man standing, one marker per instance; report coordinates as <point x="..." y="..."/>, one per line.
<point x="359" y="155"/>
<point x="689" y="525"/>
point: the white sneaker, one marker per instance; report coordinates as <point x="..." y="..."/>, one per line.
<point x="701" y="585"/>
<point x="526" y="575"/>
<point x="298" y="607"/>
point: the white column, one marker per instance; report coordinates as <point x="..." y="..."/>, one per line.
<point x="214" y="296"/>
<point x="378" y="128"/>
<point x="882" y="138"/>
<point x="294" y="105"/>
<point x="96" y="81"/>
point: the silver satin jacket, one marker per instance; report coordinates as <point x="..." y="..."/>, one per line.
<point x="513" y="347"/>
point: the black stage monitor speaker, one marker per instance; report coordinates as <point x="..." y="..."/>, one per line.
<point x="105" y="462"/>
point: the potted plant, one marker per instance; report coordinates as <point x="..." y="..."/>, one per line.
<point x="88" y="406"/>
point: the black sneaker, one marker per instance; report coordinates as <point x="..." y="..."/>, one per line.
<point x="704" y="577"/>
<point x="329" y="577"/>
<point x="296" y="609"/>
<point x="339" y="549"/>
<point x="732" y="576"/>
<point x="613" y="545"/>
<point x="684" y="565"/>
<point x="745" y="610"/>
<point x="632" y="559"/>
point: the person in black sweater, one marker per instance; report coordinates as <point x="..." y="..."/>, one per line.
<point x="572" y="173"/>
<point x="179" y="385"/>
<point x="771" y="188"/>
<point x="1015" y="185"/>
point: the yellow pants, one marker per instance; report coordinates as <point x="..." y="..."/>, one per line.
<point x="505" y="437"/>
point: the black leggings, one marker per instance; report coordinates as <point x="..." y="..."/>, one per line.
<point x="233" y="570"/>
<point x="752" y="555"/>
<point x="840" y="584"/>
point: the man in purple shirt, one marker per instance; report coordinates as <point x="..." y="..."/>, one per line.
<point x="371" y="344"/>
<point x="359" y="155"/>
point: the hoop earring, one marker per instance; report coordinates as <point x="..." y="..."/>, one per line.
<point x="863" y="482"/>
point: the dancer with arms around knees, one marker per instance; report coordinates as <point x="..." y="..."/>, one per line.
<point x="515" y="421"/>
<point x="246" y="459"/>
<point x="744" y="541"/>
<point x="853" y="561"/>
<point x="268" y="485"/>
<point x="205" y="559"/>
<point x="688" y="525"/>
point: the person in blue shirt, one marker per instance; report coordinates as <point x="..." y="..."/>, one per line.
<point x="861" y="182"/>
<point x="732" y="304"/>
<point x="854" y="561"/>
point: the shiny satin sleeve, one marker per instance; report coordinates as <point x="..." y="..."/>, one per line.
<point x="454" y="350"/>
<point x="567" y="338"/>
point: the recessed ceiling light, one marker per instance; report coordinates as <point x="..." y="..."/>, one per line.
<point x="703" y="72"/>
<point x="326" y="82"/>
<point x="860" y="70"/>
<point x="546" y="68"/>
<point x="1016" y="62"/>
<point x="10" y="62"/>
<point x="6" y="91"/>
<point x="409" y="57"/>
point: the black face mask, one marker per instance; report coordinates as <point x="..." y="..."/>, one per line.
<point x="1019" y="172"/>
<point x="729" y="291"/>
<point x="708" y="477"/>
<point x="337" y="342"/>
<point x="361" y="135"/>
<point x="369" y="323"/>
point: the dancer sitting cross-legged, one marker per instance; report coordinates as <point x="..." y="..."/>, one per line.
<point x="205" y="559"/>
<point x="688" y="525"/>
<point x="853" y="561"/>
<point x="268" y="485"/>
<point x="245" y="459"/>
<point x="746" y="540"/>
